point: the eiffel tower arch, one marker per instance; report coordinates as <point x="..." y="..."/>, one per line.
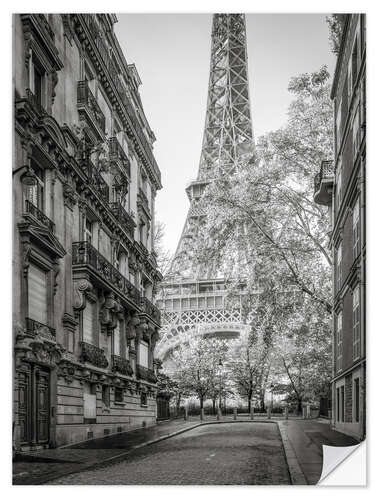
<point x="194" y="298"/>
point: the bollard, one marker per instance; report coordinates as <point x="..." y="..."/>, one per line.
<point x="252" y="413"/>
<point x="186" y="415"/>
<point x="235" y="414"/>
<point x="202" y="414"/>
<point x="286" y="413"/>
<point x="269" y="413"/>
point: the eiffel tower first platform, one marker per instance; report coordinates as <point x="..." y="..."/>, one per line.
<point x="194" y="298"/>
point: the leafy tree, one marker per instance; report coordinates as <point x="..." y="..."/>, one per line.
<point x="163" y="256"/>
<point x="194" y="365"/>
<point x="335" y="26"/>
<point x="247" y="359"/>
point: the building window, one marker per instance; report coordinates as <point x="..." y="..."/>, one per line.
<point x="354" y="63"/>
<point x="37" y="294"/>
<point x="338" y="126"/>
<point x="339" y="341"/>
<point x="356" y="325"/>
<point x="339" y="186"/>
<point x="106" y="396"/>
<point x="143" y="399"/>
<point x="119" y="395"/>
<point x="342" y="403"/>
<point x="88" y="231"/>
<point x="356" y="231"/>
<point x="339" y="266"/>
<point x="38" y="82"/>
<point x="143" y="354"/>
<point x="356" y="134"/>
<point x="88" y="323"/>
<point x="338" y="404"/>
<point x="89" y="402"/>
<point x="356" y="400"/>
<point x="35" y="194"/>
<point x="116" y="340"/>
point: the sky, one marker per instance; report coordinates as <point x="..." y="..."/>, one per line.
<point x="172" y="56"/>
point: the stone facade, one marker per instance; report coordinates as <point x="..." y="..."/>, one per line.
<point x="340" y="185"/>
<point x="84" y="185"/>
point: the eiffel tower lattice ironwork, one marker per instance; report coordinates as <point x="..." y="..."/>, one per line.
<point x="194" y="299"/>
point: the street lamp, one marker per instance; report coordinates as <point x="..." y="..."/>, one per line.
<point x="220" y="364"/>
<point x="272" y="388"/>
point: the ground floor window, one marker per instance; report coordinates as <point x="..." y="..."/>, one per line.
<point x="356" y="400"/>
<point x="106" y="395"/>
<point x="119" y="395"/>
<point x="89" y="403"/>
<point x="143" y="399"/>
<point x="340" y="403"/>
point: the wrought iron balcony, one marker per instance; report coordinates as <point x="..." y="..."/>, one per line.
<point x="121" y="365"/>
<point x="35" y="328"/>
<point x="95" y="179"/>
<point x="116" y="153"/>
<point x="124" y="218"/>
<point x="108" y="64"/>
<point x="35" y="103"/>
<point x="323" y="183"/>
<point x="87" y="105"/>
<point x="84" y="254"/>
<point x="37" y="214"/>
<point x="151" y="310"/>
<point x="92" y="354"/>
<point x="146" y="374"/>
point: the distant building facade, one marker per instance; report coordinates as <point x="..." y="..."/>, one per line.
<point x="84" y="270"/>
<point x="341" y="186"/>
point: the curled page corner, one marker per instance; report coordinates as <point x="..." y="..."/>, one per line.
<point x="333" y="456"/>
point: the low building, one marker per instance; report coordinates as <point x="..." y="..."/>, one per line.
<point x="340" y="184"/>
<point x="84" y="271"/>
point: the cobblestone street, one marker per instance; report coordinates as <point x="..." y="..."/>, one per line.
<point x="230" y="453"/>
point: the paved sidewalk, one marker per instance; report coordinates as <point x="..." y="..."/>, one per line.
<point x="306" y="439"/>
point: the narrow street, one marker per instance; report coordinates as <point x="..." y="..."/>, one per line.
<point x="220" y="454"/>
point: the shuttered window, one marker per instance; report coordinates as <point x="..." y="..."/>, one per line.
<point x="356" y="325"/>
<point x="339" y="341"/>
<point x="116" y="340"/>
<point x="356" y="230"/>
<point x="37" y="290"/>
<point x="88" y="318"/>
<point x="143" y="354"/>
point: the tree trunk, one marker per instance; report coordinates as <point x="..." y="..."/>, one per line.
<point x="299" y="408"/>
<point x="201" y="402"/>
<point x="178" y="401"/>
<point x="249" y="404"/>
<point x="214" y="406"/>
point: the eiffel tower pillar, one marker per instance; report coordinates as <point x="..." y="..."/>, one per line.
<point x="193" y="298"/>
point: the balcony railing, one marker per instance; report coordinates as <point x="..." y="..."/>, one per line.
<point x="39" y="215"/>
<point x="323" y="182"/>
<point x="85" y="254"/>
<point x="95" y="33"/>
<point x="87" y="102"/>
<point x="121" y="365"/>
<point x="35" y="328"/>
<point x="35" y="102"/>
<point x="95" y="179"/>
<point x="117" y="153"/>
<point x="92" y="354"/>
<point x="124" y="218"/>
<point x="146" y="374"/>
<point x="150" y="309"/>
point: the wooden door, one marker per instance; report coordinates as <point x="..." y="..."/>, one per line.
<point x="42" y="406"/>
<point x="24" y="406"/>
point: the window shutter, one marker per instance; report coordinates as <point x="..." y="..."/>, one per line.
<point x="88" y="322"/>
<point x="116" y="340"/>
<point x="37" y="292"/>
<point x="143" y="354"/>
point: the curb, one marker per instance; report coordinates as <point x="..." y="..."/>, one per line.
<point x="297" y="477"/>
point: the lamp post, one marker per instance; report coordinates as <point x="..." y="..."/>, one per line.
<point x="220" y="388"/>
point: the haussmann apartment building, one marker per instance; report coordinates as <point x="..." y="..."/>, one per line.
<point x="340" y="185"/>
<point x="84" y="269"/>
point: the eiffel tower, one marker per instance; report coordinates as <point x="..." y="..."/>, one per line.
<point x="193" y="299"/>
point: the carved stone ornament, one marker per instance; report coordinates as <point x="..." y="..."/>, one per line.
<point x="38" y="348"/>
<point x="80" y="288"/>
<point x="70" y="198"/>
<point x="132" y="324"/>
<point x="109" y="311"/>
